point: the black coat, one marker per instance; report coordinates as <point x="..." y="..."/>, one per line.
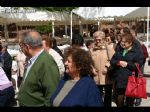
<point x="7" y="65"/>
<point x="135" y="55"/>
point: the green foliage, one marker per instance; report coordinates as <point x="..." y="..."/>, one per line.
<point x="48" y="28"/>
<point x="56" y="8"/>
<point x="44" y="28"/>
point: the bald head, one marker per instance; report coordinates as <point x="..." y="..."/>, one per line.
<point x="32" y="38"/>
<point x="34" y="34"/>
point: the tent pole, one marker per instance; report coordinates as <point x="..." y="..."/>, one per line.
<point x="53" y="30"/>
<point x="80" y="28"/>
<point x="17" y="31"/>
<point x="144" y="27"/>
<point x="147" y="27"/>
<point x="86" y="28"/>
<point x="6" y="32"/>
<point x="98" y="24"/>
<point x="71" y="27"/>
<point x="114" y="23"/>
<point x="66" y="27"/>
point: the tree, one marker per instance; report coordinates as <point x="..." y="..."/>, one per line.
<point x="68" y="9"/>
<point x="44" y="28"/>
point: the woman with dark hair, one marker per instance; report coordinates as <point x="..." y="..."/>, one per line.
<point x="124" y="61"/>
<point x="78" y="41"/>
<point x="54" y="46"/>
<point x="125" y="30"/>
<point x="77" y="88"/>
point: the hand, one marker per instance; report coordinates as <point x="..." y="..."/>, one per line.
<point x="94" y="71"/>
<point x="104" y="72"/>
<point x="123" y="64"/>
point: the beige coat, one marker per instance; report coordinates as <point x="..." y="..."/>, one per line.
<point x="20" y="58"/>
<point x="100" y="59"/>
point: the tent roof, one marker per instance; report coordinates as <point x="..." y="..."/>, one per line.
<point x="138" y="13"/>
<point x="32" y="16"/>
<point x="95" y="13"/>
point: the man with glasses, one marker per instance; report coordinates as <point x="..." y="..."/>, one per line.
<point x="41" y="75"/>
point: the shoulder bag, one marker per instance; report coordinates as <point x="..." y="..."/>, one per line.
<point x="136" y="86"/>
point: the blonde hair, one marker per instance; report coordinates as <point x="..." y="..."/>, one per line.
<point x="100" y="33"/>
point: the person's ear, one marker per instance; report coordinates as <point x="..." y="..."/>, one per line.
<point x="28" y="46"/>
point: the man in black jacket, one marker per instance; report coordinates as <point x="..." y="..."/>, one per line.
<point x="7" y="60"/>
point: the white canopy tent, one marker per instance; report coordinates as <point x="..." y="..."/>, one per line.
<point x="98" y="13"/>
<point x="140" y="12"/>
<point x="33" y="16"/>
<point x="95" y="13"/>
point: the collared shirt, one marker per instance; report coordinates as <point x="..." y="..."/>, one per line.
<point x="3" y="78"/>
<point x="31" y="62"/>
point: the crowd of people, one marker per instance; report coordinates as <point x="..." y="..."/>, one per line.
<point x="78" y="77"/>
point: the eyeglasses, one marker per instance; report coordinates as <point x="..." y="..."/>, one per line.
<point x="123" y="41"/>
<point x="98" y="39"/>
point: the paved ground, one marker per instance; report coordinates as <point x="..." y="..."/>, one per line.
<point x="146" y="102"/>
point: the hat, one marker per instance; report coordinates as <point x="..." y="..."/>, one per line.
<point x="4" y="44"/>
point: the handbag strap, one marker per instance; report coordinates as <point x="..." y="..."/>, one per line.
<point x="107" y="52"/>
<point x="63" y="92"/>
<point x="139" y="71"/>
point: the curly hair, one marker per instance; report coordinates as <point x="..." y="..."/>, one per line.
<point x="81" y="59"/>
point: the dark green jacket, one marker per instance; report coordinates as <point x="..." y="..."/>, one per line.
<point x="40" y="82"/>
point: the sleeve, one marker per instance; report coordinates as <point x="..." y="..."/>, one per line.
<point x="138" y="59"/>
<point x="7" y="62"/>
<point x="61" y="66"/>
<point x="94" y="96"/>
<point x="50" y="80"/>
<point x="114" y="60"/>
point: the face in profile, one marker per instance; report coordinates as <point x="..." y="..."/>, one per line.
<point x="70" y="66"/>
<point x="24" y="48"/>
<point x="108" y="40"/>
<point x="91" y="45"/>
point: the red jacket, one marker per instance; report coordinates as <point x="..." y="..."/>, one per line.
<point x="144" y="52"/>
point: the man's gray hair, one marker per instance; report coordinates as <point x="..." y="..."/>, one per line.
<point x="4" y="44"/>
<point x="33" y="42"/>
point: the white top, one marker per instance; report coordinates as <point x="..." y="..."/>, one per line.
<point x="59" y="61"/>
<point x="20" y="58"/>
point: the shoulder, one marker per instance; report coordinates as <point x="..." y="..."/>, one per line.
<point x="44" y="57"/>
<point x="88" y="80"/>
<point x="55" y="54"/>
